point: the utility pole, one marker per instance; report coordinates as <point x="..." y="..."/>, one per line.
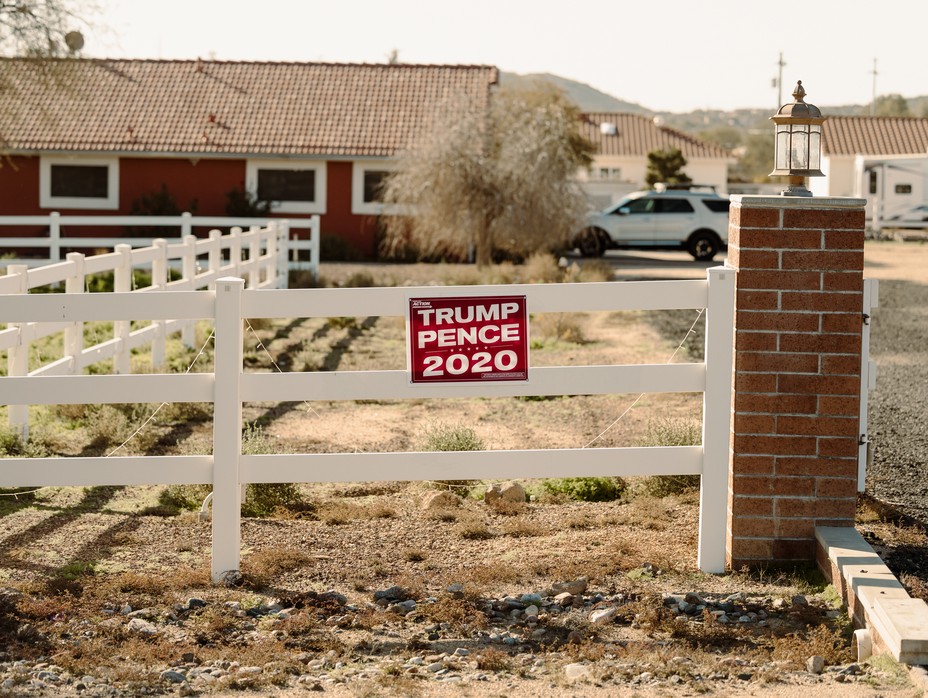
<point x="780" y="63"/>
<point x="873" y="100"/>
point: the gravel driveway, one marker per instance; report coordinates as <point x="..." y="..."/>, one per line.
<point x="899" y="344"/>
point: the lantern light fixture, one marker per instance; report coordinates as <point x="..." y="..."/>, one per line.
<point x="798" y="144"/>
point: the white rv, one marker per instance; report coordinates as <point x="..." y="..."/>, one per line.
<point x="896" y="190"/>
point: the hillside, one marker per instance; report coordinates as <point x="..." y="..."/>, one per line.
<point x="589" y="99"/>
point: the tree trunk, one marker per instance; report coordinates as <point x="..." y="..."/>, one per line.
<point x="483" y="245"/>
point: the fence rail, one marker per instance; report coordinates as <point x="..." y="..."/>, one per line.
<point x="56" y="241"/>
<point x="259" y="254"/>
<point x="228" y="387"/>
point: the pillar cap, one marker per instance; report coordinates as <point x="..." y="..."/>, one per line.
<point x="803" y="202"/>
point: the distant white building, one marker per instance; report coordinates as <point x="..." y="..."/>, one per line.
<point x="623" y="142"/>
<point x="844" y="138"/>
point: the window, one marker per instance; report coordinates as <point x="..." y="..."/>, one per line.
<point x="290" y="186"/>
<point x="718" y="205"/>
<point x="674" y="206"/>
<point x="373" y="185"/>
<point x="287" y="185"/>
<point x="367" y="181"/>
<point x="644" y="205"/>
<point x="90" y="183"/>
<point x="903" y="188"/>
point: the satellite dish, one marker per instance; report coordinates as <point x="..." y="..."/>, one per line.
<point x="74" y="41"/>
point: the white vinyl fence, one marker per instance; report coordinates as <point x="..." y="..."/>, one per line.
<point x="259" y="254"/>
<point x="227" y="469"/>
<point x="304" y="252"/>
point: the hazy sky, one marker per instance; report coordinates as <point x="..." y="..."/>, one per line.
<point x="668" y="55"/>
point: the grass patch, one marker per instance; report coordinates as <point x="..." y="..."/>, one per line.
<point x="586" y="489"/>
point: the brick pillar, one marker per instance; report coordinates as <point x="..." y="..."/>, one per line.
<point x="796" y="373"/>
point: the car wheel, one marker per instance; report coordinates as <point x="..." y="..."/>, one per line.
<point x="590" y="243"/>
<point x="703" y="245"/>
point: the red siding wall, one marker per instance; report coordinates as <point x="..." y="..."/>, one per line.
<point x="358" y="231"/>
<point x="200" y="182"/>
<point x="204" y="181"/>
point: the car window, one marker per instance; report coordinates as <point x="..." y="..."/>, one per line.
<point x="718" y="205"/>
<point x="674" y="206"/>
<point x="640" y="206"/>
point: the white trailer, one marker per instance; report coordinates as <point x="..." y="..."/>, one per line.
<point x="896" y="190"/>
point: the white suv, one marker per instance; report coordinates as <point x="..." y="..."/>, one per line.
<point x="695" y="221"/>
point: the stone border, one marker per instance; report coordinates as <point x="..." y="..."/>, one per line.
<point x="898" y="624"/>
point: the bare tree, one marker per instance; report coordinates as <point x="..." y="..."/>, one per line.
<point x="501" y="180"/>
<point x="42" y="28"/>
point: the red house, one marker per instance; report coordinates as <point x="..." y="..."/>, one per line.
<point x="86" y="136"/>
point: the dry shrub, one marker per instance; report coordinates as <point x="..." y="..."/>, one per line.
<point x="340" y="513"/>
<point x="460" y="614"/>
<point x="444" y="515"/>
<point x="492" y="659"/>
<point x="541" y="268"/>
<point x="916" y="586"/>
<point x="830" y="643"/>
<point x="262" y="566"/>
<point x="413" y="555"/>
<point x="473" y="528"/>
<point x="486" y="576"/>
<point x="650" y="512"/>
<point x="560" y="327"/>
<point x="520" y="528"/>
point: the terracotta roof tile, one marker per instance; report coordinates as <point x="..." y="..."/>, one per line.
<point x="203" y="107"/>
<point x="874" y="135"/>
<point x="639" y="135"/>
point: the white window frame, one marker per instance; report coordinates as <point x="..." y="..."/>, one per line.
<point x="317" y="166"/>
<point x="110" y="202"/>
<point x="358" y="205"/>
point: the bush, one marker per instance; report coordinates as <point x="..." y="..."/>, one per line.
<point x="542" y="268"/>
<point x="559" y="327"/>
<point x="445" y="437"/>
<point x="334" y="248"/>
<point x="587" y="489"/>
<point x="671" y="432"/>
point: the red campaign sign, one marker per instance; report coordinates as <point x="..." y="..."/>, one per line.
<point x="467" y="339"/>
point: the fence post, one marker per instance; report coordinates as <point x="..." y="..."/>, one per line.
<point x="54" y="235"/>
<point x="186" y="224"/>
<point x="215" y="252"/>
<point x="189" y="273"/>
<point x="159" y="280"/>
<point x="283" y="253"/>
<point x="122" y="283"/>
<point x="314" y="244"/>
<point x="227" y="429"/>
<point x="74" y="333"/>
<point x="254" y="254"/>
<point x="17" y="358"/>
<point x="235" y="250"/>
<point x="716" y="422"/>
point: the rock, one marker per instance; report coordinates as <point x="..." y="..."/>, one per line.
<point x="394" y="593"/>
<point x="815" y="664"/>
<point x="576" y="672"/>
<point x="576" y="587"/>
<point x="195" y="603"/>
<point x="456" y="590"/>
<point x="575" y="637"/>
<point x="461" y="652"/>
<point x="402" y="607"/>
<point x="530" y="599"/>
<point x="141" y="626"/>
<point x="172" y="676"/>
<point x="694" y="599"/>
<point x="440" y="499"/>
<point x="601" y="616"/>
<point x="505" y="492"/>
<point x="565" y="598"/>
<point x="531" y="611"/>
<point x="800" y="600"/>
